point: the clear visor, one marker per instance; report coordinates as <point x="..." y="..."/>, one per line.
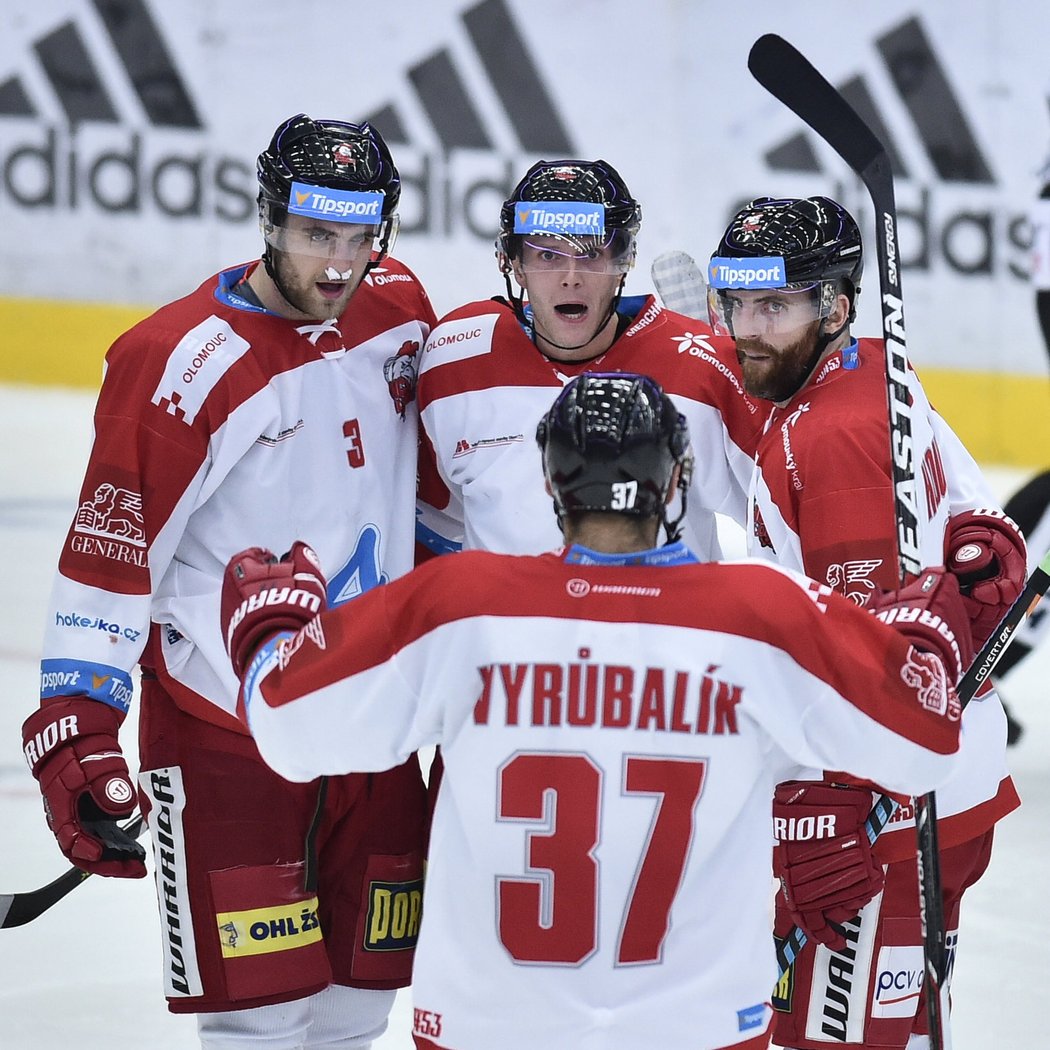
<point x="556" y="252"/>
<point x="325" y="238"/>
<point x="768" y="312"/>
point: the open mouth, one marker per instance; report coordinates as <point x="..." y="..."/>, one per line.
<point x="331" y="289"/>
<point x="571" y="311"/>
<point x="751" y="352"/>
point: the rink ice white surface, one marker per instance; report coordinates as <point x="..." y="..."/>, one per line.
<point x="87" y="973"/>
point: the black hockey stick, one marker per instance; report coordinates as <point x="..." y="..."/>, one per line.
<point x="787" y="75"/>
<point x="16" y="909"/>
<point x="679" y="283"/>
<point x="984" y="662"/>
<point x="978" y="673"/>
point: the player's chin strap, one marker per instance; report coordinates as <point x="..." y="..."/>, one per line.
<point x="517" y="303"/>
<point x="674" y="528"/>
<point x="824" y="340"/>
<point x="271" y="272"/>
<point x="685" y="479"/>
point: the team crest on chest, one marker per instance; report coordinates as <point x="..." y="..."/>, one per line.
<point x="400" y="374"/>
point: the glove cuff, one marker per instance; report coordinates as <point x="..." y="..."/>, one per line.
<point x="62" y="720"/>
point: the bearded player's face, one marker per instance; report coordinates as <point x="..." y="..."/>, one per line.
<point x="776" y="333"/>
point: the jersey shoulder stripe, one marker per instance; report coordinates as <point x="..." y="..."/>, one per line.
<point x="480" y="346"/>
<point x="792" y="618"/>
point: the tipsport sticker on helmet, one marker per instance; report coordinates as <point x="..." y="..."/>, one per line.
<point x="767" y="271"/>
<point x="578" y="218"/>
<point x="321" y="202"/>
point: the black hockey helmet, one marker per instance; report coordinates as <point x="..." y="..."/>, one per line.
<point x="610" y="442"/>
<point x="578" y="182"/>
<point x="817" y="238"/>
<point x="334" y="155"/>
<point x="331" y="153"/>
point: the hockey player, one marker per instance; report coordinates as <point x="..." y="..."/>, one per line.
<point x="785" y="280"/>
<point x="614" y="717"/>
<point x="491" y="368"/>
<point x="271" y="403"/>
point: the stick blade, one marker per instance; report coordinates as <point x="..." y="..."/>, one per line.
<point x="790" y="77"/>
<point x="16" y="909"/>
<point x="680" y="284"/>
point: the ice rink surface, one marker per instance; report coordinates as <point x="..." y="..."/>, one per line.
<point x="86" y="975"/>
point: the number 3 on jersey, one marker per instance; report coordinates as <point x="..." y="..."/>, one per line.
<point x="552" y="916"/>
<point x="355" y="449"/>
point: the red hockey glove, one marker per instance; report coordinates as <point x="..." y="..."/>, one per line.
<point x="262" y="596"/>
<point x="986" y="551"/>
<point x="71" y="747"/>
<point x="823" y="858"/>
<point x="930" y="613"/>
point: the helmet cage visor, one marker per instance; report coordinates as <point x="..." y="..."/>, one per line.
<point x="324" y="237"/>
<point x="611" y="253"/>
<point x="751" y="297"/>
<point x="560" y="235"/>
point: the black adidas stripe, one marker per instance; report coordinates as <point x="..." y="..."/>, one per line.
<point x="74" y="77"/>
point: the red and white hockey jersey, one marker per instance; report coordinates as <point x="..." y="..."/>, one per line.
<point x="484" y="386"/>
<point x="822" y="503"/>
<point x="220" y="426"/>
<point x="612" y="735"/>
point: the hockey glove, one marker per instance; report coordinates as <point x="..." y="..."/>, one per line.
<point x="930" y="613"/>
<point x="262" y="596"/>
<point x="71" y="747"/>
<point x="823" y="858"/>
<point x="986" y="551"/>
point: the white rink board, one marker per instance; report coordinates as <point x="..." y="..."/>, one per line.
<point x="129" y="210"/>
